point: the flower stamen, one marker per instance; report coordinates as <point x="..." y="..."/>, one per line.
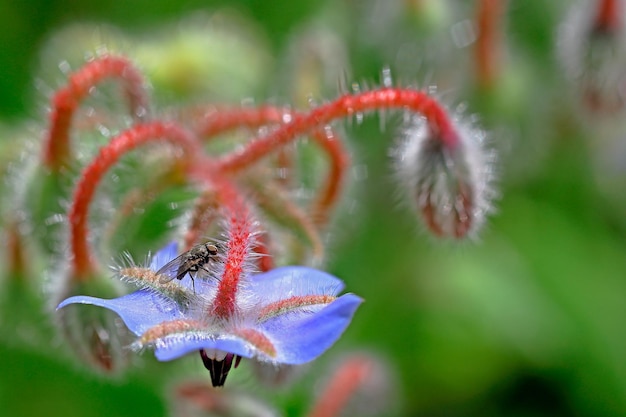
<point x="168" y="328"/>
<point x="258" y="339"/>
<point x="284" y="306"/>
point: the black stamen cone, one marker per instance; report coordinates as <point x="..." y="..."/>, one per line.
<point x="219" y="369"/>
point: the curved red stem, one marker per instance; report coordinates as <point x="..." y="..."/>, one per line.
<point x="340" y="160"/>
<point x="347" y="105"/>
<point x="220" y="120"/>
<point x="240" y="236"/>
<point x="65" y="102"/>
<point x="82" y="260"/>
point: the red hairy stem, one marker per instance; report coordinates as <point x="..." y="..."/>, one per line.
<point x="82" y="260"/>
<point x="240" y="235"/>
<point x="350" y="376"/>
<point x="347" y="105"/>
<point x="488" y="44"/>
<point x="219" y="120"/>
<point x="65" y="102"/>
<point x="608" y="15"/>
<point x="331" y="190"/>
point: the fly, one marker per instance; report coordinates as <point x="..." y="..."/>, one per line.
<point x="193" y="260"/>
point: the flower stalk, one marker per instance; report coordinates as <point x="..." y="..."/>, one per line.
<point x="83" y="263"/>
<point x="217" y="121"/>
<point x="488" y="43"/>
<point x="56" y="150"/>
<point x="346" y="105"/>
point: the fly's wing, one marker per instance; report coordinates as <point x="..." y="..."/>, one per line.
<point x="172" y="269"/>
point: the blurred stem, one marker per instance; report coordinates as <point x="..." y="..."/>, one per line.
<point x="83" y="264"/>
<point x="220" y="120"/>
<point x="16" y="253"/>
<point x="488" y="45"/>
<point x="141" y="196"/>
<point x="56" y="152"/>
<point x="265" y="262"/>
<point x="344" y="106"/>
<point x="204" y="213"/>
<point x="272" y="199"/>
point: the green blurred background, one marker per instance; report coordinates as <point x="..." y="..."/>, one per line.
<point x="527" y="321"/>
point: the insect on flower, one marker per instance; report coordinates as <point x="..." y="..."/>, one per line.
<point x="290" y="316"/>
<point x="194" y="260"/>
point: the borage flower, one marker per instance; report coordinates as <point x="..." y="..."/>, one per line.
<point x="287" y="316"/>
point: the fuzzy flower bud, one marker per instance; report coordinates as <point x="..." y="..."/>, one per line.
<point x="592" y="49"/>
<point x="449" y="182"/>
<point x="360" y="384"/>
<point x="194" y="398"/>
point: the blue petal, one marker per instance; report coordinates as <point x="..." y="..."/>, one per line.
<point x="175" y="346"/>
<point x="139" y="310"/>
<point x="163" y="256"/>
<point x="302" y="337"/>
<point x="288" y="281"/>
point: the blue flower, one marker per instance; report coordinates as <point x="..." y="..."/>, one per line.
<point x="289" y="315"/>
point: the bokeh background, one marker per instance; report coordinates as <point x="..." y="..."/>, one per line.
<point x="528" y="320"/>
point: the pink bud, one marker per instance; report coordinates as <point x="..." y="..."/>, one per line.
<point x="450" y="183"/>
<point x="592" y="49"/>
<point x="195" y="398"/>
<point x="360" y="384"/>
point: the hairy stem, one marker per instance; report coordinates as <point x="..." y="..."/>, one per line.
<point x="347" y="105"/>
<point x="488" y="44"/>
<point x="65" y="102"/>
<point x="240" y="236"/>
<point x="220" y="120"/>
<point x="273" y="200"/>
<point x="82" y="260"/>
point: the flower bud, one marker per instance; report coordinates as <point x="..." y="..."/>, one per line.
<point x="200" y="399"/>
<point x="592" y="50"/>
<point x="449" y="182"/>
<point x="359" y="385"/>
